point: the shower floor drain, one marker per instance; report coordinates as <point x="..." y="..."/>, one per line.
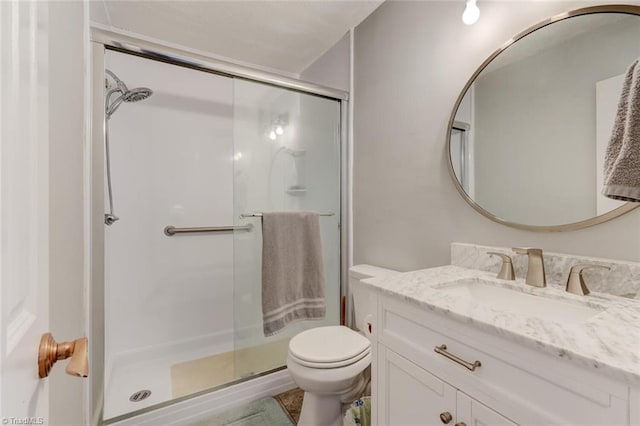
<point x="140" y="395"/>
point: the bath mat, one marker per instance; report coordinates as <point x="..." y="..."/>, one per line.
<point x="211" y="371"/>
<point x="291" y="402"/>
<point x="265" y="411"/>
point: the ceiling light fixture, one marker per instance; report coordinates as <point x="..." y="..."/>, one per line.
<point x="471" y="13"/>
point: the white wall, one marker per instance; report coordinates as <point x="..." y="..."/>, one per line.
<point x="332" y="68"/>
<point x="537" y="116"/>
<point x="411" y="61"/>
<point x="171" y="158"/>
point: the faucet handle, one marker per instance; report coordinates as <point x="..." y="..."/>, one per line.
<point x="506" y="270"/>
<point x="575" y="281"/>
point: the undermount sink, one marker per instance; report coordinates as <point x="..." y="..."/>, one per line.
<point x="516" y="301"/>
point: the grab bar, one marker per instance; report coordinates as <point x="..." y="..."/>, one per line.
<point x="247" y="215"/>
<point x="170" y="231"/>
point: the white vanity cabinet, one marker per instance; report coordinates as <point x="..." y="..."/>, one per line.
<point x="513" y="385"/>
<point x="410" y="395"/>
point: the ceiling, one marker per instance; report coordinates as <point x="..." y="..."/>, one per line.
<point x="277" y="35"/>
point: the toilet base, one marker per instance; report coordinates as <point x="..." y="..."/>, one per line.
<point x="325" y="410"/>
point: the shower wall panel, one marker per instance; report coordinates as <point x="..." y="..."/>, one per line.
<point x="172" y="164"/>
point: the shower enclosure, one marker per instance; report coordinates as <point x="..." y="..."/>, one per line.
<point x="191" y="168"/>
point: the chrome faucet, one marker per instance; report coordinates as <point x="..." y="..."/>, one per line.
<point x="535" y="269"/>
<point x="575" y="282"/>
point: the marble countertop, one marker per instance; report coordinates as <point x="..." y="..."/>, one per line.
<point x="608" y="342"/>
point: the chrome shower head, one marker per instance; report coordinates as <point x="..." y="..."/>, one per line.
<point x="126" y="95"/>
<point x="137" y="94"/>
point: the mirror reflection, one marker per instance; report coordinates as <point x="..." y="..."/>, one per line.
<point x="528" y="138"/>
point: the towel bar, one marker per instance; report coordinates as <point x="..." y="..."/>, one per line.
<point x="170" y="231"/>
<point x="247" y="215"/>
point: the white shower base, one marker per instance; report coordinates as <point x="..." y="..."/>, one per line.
<point x="150" y="369"/>
<point x="201" y="407"/>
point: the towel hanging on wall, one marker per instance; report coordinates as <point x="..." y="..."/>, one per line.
<point x="622" y="159"/>
<point x="292" y="269"/>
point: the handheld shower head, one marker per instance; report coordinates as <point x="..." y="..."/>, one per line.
<point x="126" y="95"/>
<point x="137" y="94"/>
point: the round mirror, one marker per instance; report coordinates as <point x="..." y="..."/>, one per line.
<point x="528" y="134"/>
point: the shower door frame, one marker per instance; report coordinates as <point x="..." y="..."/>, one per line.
<point x="103" y="40"/>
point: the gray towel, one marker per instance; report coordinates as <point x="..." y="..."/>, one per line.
<point x="292" y="269"/>
<point x="622" y="160"/>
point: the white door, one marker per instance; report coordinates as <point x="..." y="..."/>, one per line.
<point x="409" y="395"/>
<point x="24" y="156"/>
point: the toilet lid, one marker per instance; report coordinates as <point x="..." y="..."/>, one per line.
<point x="332" y="344"/>
<point x="329" y="365"/>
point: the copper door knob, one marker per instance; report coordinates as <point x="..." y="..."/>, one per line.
<point x="50" y="352"/>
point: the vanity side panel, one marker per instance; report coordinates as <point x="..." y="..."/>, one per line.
<point x="375" y="357"/>
<point x="634" y="406"/>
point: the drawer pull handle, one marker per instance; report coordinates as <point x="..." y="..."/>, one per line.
<point x="446" y="417"/>
<point x="442" y="350"/>
<point x="461" y="424"/>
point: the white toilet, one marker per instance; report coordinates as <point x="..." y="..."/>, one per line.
<point x="329" y="363"/>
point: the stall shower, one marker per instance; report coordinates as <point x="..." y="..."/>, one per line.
<point x="188" y="173"/>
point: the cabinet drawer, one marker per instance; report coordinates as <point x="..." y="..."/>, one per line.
<point x="524" y="385"/>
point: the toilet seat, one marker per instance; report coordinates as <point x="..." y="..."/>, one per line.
<point x="338" y="364"/>
<point x="328" y="347"/>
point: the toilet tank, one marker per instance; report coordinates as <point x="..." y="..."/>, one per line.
<point x="364" y="305"/>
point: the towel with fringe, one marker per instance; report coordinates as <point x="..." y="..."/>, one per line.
<point x="292" y="269"/>
<point x="622" y="159"/>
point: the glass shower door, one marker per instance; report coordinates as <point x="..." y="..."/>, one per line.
<point x="286" y="158"/>
<point x="183" y="298"/>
